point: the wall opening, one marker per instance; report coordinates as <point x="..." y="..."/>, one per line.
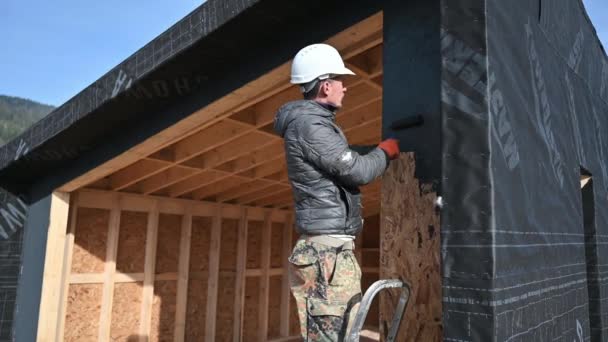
<point x="593" y="288"/>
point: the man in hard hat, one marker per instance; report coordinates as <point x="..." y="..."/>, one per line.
<point x="325" y="174"/>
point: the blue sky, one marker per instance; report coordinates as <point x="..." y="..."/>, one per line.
<point x="51" y="50"/>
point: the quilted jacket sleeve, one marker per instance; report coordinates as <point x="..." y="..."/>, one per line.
<point x="327" y="149"/>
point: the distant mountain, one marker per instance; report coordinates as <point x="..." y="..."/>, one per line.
<point x="17" y="114"/>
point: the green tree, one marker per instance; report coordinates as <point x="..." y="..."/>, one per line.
<point x="17" y="114"/>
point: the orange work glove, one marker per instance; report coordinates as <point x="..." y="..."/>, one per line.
<point x="391" y="147"/>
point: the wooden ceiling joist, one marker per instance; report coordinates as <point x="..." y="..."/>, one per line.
<point x="228" y="151"/>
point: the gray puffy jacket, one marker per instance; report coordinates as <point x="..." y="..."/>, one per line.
<point x="325" y="173"/>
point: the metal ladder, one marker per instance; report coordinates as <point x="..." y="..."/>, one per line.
<point x="366" y="302"/>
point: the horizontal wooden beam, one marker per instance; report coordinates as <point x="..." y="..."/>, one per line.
<point x="101" y="199"/>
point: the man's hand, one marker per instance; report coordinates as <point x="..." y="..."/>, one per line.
<point x="391" y="147"/>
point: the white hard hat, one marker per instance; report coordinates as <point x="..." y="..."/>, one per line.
<point x="317" y="61"/>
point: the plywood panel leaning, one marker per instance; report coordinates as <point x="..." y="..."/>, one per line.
<point x="409" y="250"/>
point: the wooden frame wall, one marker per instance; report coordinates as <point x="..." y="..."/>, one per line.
<point x="61" y="279"/>
<point x="153" y="206"/>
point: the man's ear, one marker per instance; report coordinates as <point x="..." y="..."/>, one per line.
<point x="324" y="88"/>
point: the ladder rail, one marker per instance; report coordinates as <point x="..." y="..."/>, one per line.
<point x="366" y="302"/>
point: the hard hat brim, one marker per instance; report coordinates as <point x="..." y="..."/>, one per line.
<point x="343" y="71"/>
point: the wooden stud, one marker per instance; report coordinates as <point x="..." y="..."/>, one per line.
<point x="101" y="199"/>
<point x="213" y="279"/>
<point x="182" y="282"/>
<point x="149" y="271"/>
<point x="285" y="288"/>
<point x="53" y="267"/>
<point x="105" y="317"/>
<point x="265" y="279"/>
<point x="67" y="264"/>
<point x="239" y="287"/>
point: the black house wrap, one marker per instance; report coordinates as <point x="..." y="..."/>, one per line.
<point x="510" y="100"/>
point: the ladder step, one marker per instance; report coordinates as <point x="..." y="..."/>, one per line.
<point x="370" y="294"/>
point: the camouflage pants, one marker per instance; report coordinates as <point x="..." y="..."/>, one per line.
<point x="326" y="283"/>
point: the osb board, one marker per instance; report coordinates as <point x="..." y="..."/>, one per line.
<point x="274" y="306"/>
<point x="90" y="240"/>
<point x="409" y="252"/>
<point x="131" y="242"/>
<point x="83" y="310"/>
<point x="251" y="310"/>
<point x="372" y="321"/>
<point x="195" y="311"/>
<point x="126" y="307"/>
<point x="228" y="245"/>
<point x="276" y="245"/>
<point x="199" y="243"/>
<point x="167" y="250"/>
<point x="225" y="307"/>
<point x="254" y="244"/>
<point x="163" y="311"/>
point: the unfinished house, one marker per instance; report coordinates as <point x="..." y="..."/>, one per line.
<point x="159" y="208"/>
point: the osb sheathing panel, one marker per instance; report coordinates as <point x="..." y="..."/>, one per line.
<point x="126" y="307"/>
<point x="83" y="310"/>
<point x="90" y="240"/>
<point x="251" y="310"/>
<point x="225" y="307"/>
<point x="163" y="311"/>
<point x="195" y="312"/>
<point x="408" y="251"/>
<point x="274" y="306"/>
<point x="276" y="245"/>
<point x="254" y="244"/>
<point x="167" y="252"/>
<point x="131" y="242"/>
<point x="199" y="244"/>
<point x="228" y="245"/>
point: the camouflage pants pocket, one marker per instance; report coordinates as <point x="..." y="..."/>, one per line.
<point x="325" y="320"/>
